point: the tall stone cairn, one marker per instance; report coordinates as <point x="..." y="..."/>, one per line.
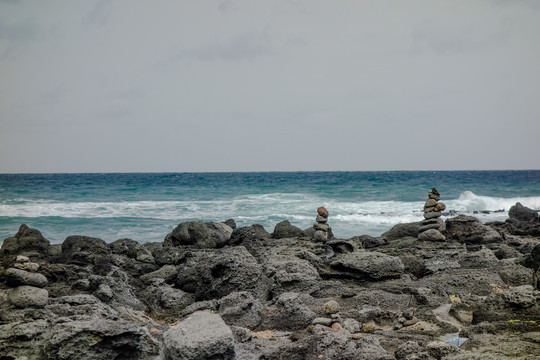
<point x="432" y="226"/>
<point x="321" y="227"/>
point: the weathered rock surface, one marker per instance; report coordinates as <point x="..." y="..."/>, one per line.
<point x="285" y="229"/>
<point x="28" y="242"/>
<point x="202" y="335"/>
<point x="522" y="213"/>
<point x="469" y="230"/>
<point x="200" y="234"/>
<point x="368" y="265"/>
<point x="22" y="277"/>
<point x="28" y="296"/>
<point x="219" y="293"/>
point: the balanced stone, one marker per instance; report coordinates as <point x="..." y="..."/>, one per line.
<point x="440" y="206"/>
<point x="435" y="223"/>
<point x="321" y="220"/>
<point x="430" y="203"/>
<point x="323" y="227"/>
<point x="28" y="296"/>
<point x="320" y="236"/>
<point x="431" y="235"/>
<point x="434" y="194"/>
<point x="22" y="259"/>
<point x="22" y="277"/>
<point x="322" y="211"/>
<point x="28" y="266"/>
<point x="432" y="214"/>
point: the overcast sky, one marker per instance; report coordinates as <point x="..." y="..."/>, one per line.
<point x="114" y="86"/>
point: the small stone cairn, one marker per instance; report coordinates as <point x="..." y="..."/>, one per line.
<point x="321" y="227"/>
<point x="26" y="284"/>
<point x="432" y="226"/>
<point x="333" y="322"/>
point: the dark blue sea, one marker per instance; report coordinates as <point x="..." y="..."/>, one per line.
<point x="147" y="206"/>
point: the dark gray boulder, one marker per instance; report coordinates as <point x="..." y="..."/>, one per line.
<point x="85" y="250"/>
<point x="521" y="303"/>
<point x="522" y="213"/>
<point x="163" y="300"/>
<point x="204" y="235"/>
<point x="403" y="230"/>
<point x="203" y="335"/>
<point x="168" y="273"/>
<point x="28" y="242"/>
<point x="125" y="247"/>
<point x="369" y="242"/>
<point x="469" y="230"/>
<point x="284" y="229"/>
<point x="289" y="313"/>
<point x="368" y="265"/>
<point x="241" y="309"/>
<point x="249" y="234"/>
<point x="215" y="273"/>
<point x="100" y="339"/>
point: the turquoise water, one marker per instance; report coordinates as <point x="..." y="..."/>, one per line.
<point x="147" y="206"/>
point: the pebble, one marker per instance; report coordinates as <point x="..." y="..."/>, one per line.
<point x="368" y="328"/>
<point x="331" y="307"/>
<point x="28" y="266"/>
<point x="351" y="325"/>
<point x="322" y="321"/>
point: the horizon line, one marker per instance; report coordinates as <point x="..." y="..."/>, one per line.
<point x="246" y="172"/>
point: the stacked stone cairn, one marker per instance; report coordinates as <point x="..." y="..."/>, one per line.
<point x="26" y="284"/>
<point x="322" y="229"/>
<point x="334" y="322"/>
<point x="432" y="226"/>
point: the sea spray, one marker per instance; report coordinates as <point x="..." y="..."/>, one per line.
<point x="145" y="207"/>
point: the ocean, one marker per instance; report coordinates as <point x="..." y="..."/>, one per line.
<point x="146" y="206"/>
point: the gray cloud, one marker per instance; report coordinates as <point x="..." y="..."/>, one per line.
<point x="99" y="14"/>
<point x="239" y="85"/>
<point x="16" y="36"/>
<point x="242" y="47"/>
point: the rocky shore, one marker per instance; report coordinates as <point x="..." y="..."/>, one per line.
<point x="454" y="290"/>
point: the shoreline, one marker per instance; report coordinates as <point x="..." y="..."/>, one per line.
<point x="251" y="294"/>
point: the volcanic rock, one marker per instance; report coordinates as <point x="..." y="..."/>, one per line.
<point x="16" y="277"/>
<point x="284" y="229"/>
<point x="202" y="335"/>
<point x="200" y="234"/>
<point x="522" y="213"/>
<point x="368" y="265"/>
<point x="28" y="296"/>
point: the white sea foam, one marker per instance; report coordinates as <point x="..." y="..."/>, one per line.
<point x="347" y="218"/>
<point x="468" y="201"/>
